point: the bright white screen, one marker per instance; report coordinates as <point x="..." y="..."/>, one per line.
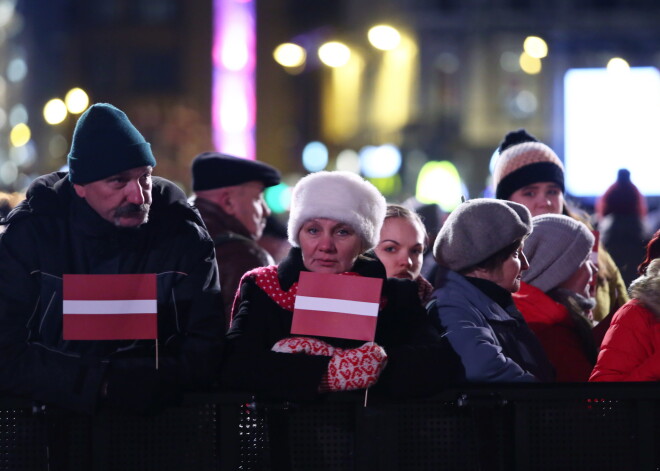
<point x="611" y="121"/>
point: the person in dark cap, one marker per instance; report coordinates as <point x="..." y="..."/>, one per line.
<point x="107" y="216"/>
<point x="479" y="250"/>
<point x="229" y="194"/>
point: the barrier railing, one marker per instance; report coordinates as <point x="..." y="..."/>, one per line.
<point x="477" y="427"/>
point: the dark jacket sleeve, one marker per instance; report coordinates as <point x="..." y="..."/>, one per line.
<point x="249" y="363"/>
<point x="235" y="258"/>
<point x="28" y="367"/>
<point x="420" y="359"/>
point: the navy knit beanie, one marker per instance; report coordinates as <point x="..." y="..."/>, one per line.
<point x="105" y="143"/>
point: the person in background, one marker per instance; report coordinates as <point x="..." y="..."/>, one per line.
<point x="554" y="294"/>
<point x="631" y="348"/>
<point x="530" y="173"/>
<point x="480" y="255"/>
<point x="401" y="247"/>
<point x="108" y="216"/>
<point x="621" y="213"/>
<point x="274" y="239"/>
<point x="229" y="194"/>
<point x="334" y="218"/>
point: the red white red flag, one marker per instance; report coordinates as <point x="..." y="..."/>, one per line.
<point x="337" y="306"/>
<point x="110" y="307"/>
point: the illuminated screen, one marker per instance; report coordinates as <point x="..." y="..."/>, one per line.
<point x="612" y="121"/>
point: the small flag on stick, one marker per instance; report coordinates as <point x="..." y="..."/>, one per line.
<point x="341" y="306"/>
<point x="110" y="307"/>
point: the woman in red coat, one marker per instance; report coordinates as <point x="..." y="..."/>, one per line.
<point x="631" y="347"/>
<point x="554" y="294"/>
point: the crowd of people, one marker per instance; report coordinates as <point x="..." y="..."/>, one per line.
<point x="516" y="288"/>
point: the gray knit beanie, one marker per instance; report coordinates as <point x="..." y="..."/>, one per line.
<point x="555" y="250"/>
<point x="478" y="229"/>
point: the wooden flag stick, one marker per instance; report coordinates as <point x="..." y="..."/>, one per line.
<point x="366" y="396"/>
<point x="156" y="352"/>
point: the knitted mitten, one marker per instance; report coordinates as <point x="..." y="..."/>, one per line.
<point x="308" y="345"/>
<point x="355" y="368"/>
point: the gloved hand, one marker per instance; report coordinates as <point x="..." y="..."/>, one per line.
<point x="308" y="345"/>
<point x="355" y="368"/>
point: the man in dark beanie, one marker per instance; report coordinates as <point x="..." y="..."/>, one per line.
<point x="229" y="194"/>
<point x="108" y="216"/>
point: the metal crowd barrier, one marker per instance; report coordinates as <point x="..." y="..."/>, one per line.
<point x="478" y="427"/>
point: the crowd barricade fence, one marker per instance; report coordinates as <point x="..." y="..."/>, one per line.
<point x="591" y="426"/>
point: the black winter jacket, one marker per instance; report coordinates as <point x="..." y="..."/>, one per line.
<point x="54" y="232"/>
<point x="420" y="361"/>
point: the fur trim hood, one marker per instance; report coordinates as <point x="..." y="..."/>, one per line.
<point x="646" y="288"/>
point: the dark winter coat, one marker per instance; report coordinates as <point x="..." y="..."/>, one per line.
<point x="235" y="251"/>
<point x="54" y="232"/>
<point x="420" y="361"/>
<point x="494" y="342"/>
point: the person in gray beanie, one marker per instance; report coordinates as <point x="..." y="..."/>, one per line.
<point x="107" y="216"/>
<point x="554" y="294"/>
<point x="334" y="218"/>
<point x="479" y="251"/>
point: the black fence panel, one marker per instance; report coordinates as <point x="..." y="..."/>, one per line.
<point x="480" y="427"/>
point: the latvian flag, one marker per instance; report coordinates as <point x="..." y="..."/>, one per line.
<point x="336" y="306"/>
<point x="109" y="307"/>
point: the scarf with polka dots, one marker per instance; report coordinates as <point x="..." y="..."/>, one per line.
<point x="266" y="279"/>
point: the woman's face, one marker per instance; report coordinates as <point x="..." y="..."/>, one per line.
<point x="580" y="281"/>
<point x="329" y="246"/>
<point x="508" y="274"/>
<point x="540" y="198"/>
<point x="401" y="248"/>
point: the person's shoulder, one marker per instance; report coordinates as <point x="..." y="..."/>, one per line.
<point x="45" y="196"/>
<point x="171" y="208"/>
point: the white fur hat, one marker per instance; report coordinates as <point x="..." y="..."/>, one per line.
<point x="342" y="196"/>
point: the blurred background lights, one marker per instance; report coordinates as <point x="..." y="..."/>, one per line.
<point x="76" y="100"/>
<point x="384" y="37"/>
<point x="290" y="55"/>
<point x="510" y="61"/>
<point x="535" y="47"/>
<point x="315" y="156"/>
<point x="617" y="64"/>
<point x="20" y="135"/>
<point x="55" y="111"/>
<point x="6" y="12"/>
<point x="278" y="197"/>
<point x="348" y="161"/>
<point x="8" y="172"/>
<point x="334" y="54"/>
<point x="530" y="65"/>
<point x="380" y="162"/>
<point x="387" y="186"/>
<point x="16" y="69"/>
<point x="18" y="114"/>
<point x="439" y="183"/>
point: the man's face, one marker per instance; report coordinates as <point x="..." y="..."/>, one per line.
<point x="249" y="207"/>
<point x="123" y="199"/>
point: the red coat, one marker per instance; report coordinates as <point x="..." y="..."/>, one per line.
<point x="557" y="332"/>
<point x="631" y="348"/>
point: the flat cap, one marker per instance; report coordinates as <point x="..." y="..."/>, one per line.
<point x="479" y="228"/>
<point x="211" y="170"/>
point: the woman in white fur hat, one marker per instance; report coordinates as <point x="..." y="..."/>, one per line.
<point x="334" y="218"/>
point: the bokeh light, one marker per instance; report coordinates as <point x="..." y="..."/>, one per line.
<point x="530" y="65"/>
<point x="55" y="111"/>
<point x="334" y="54"/>
<point x="20" y="135"/>
<point x="535" y="47"/>
<point x="384" y="37"/>
<point x="290" y="55"/>
<point x="315" y="156"/>
<point x="76" y="100"/>
<point x="439" y="183"/>
<point x="380" y="162"/>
